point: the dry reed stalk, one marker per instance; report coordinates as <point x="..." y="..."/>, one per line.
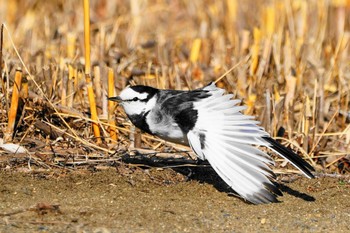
<point x="163" y="77"/>
<point x="97" y="82"/>
<point x="301" y="25"/>
<point x="288" y="7"/>
<point x="232" y="6"/>
<point x="136" y="7"/>
<point x="269" y="18"/>
<point x="111" y="106"/>
<point x="64" y="90"/>
<point x="288" y="76"/>
<point x="340" y="6"/>
<point x="132" y="136"/>
<point x="104" y="114"/>
<point x="70" y="88"/>
<point x="137" y="138"/>
<point x="90" y="89"/>
<point x="231" y="19"/>
<point x="277" y="44"/>
<point x="195" y="50"/>
<point x="244" y="46"/>
<point x="255" y="51"/>
<point x="24" y="89"/>
<point x="250" y="103"/>
<point x="322" y="9"/>
<point x="54" y="77"/>
<point x="87" y="47"/>
<point x="242" y="81"/>
<point x="14" y="106"/>
<point x="205" y="53"/>
<point x="93" y="109"/>
<point x="307" y="116"/>
<point x="71" y="38"/>
<point x="277" y="107"/>
<point x="79" y="81"/>
<point x="267" y="116"/>
<point x="157" y="78"/>
<point x="289" y="102"/>
<point x="1" y="44"/>
<point x="12" y="11"/>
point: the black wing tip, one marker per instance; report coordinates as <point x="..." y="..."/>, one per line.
<point x="290" y="155"/>
<point x="262" y="197"/>
<point x="273" y="188"/>
<point x="266" y="195"/>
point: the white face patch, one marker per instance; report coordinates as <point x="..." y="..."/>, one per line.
<point x="133" y="107"/>
<point x="129" y="94"/>
<point x="134" y="102"/>
<point x="151" y="104"/>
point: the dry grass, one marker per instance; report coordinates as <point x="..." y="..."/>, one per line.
<point x="294" y="72"/>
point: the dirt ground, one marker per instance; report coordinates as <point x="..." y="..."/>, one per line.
<point x="129" y="199"/>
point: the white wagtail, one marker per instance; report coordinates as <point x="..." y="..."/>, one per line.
<point x="212" y="124"/>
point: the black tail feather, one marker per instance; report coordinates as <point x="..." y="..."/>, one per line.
<point x="292" y="157"/>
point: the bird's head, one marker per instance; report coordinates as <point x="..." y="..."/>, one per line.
<point x="136" y="99"/>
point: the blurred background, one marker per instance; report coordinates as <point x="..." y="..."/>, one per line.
<point x="293" y="73"/>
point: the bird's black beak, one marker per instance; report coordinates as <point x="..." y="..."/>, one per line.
<point x="116" y="99"/>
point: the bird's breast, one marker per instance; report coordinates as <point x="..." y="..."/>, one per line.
<point x="165" y="127"/>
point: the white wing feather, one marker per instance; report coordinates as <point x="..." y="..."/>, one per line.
<point x="225" y="137"/>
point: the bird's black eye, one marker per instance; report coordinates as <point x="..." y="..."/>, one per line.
<point x="135" y="99"/>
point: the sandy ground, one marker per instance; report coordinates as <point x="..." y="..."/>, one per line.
<point x="124" y="199"/>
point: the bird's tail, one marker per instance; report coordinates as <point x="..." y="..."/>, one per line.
<point x="292" y="157"/>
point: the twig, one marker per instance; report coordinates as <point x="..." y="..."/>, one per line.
<point x="232" y="68"/>
<point x="320" y="137"/>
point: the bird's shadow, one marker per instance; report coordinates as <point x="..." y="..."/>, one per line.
<point x="203" y="173"/>
<point x="286" y="189"/>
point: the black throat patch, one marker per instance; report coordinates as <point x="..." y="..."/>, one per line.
<point x="139" y="120"/>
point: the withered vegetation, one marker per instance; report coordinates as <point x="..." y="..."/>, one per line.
<point x="293" y="74"/>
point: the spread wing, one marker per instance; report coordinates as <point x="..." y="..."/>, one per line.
<point x="226" y="138"/>
<point x="173" y="116"/>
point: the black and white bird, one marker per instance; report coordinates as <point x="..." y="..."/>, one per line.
<point x="211" y="123"/>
